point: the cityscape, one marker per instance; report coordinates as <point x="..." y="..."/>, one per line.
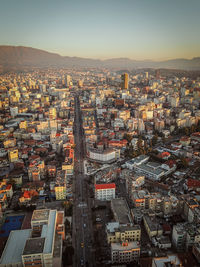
<point x="99" y="155"/>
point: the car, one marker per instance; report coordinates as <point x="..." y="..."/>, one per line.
<point x="82" y="262"/>
<point x="82" y="244"/>
<point x="84" y="225"/>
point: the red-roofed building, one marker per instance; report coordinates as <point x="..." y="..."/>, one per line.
<point x="192" y="183"/>
<point x="105" y="191"/>
<point x="176" y="145"/>
<point x="185" y="140"/>
<point x="164" y="155"/>
<point x="196" y="136"/>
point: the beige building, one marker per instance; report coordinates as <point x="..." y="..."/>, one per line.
<point x="13" y="155"/>
<point x="153" y="228"/>
<point x="60" y="186"/>
<point x="123" y="233"/>
<point x="125" y="252"/>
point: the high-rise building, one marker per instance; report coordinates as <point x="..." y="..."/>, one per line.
<point x="13" y="155"/>
<point x="157" y="74"/>
<point x="60" y="186"/>
<point x="52" y="113"/>
<point x="125" y="80"/>
<point x="68" y="80"/>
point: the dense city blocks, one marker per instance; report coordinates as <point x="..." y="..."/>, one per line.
<point x="99" y="168"/>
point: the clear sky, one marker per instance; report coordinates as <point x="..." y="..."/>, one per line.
<point x="137" y="29"/>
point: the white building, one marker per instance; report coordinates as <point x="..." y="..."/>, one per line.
<point x="131" y="164"/>
<point x="154" y="170"/>
<point x="105" y="191"/>
<point x="179" y="236"/>
<point x="13" y="111"/>
<point x="108" y="155"/>
<point x="125" y="252"/>
<point x="169" y="260"/>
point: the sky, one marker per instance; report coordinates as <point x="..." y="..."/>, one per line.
<point x="136" y="29"/>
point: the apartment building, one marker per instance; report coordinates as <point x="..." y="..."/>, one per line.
<point x="105" y="191"/>
<point x="125" y="252"/>
<point x="60" y="186"/>
<point x="116" y="233"/>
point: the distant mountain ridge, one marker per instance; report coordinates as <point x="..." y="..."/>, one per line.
<point x="14" y="58"/>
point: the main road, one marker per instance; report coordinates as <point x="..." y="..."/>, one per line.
<point x="82" y="233"/>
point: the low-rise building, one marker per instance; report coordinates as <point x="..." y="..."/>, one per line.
<point x="119" y="234"/>
<point x="169" y="260"/>
<point x="125" y="252"/>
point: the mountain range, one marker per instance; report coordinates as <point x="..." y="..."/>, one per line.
<point x="13" y="58"/>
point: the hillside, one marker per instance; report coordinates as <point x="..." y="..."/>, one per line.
<point x="14" y="58"/>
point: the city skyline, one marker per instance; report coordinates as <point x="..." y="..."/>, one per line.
<point x="141" y="30"/>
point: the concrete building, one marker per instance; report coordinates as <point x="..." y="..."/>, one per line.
<point x="105" y="191"/>
<point x="117" y="234"/>
<point x="39" y="246"/>
<point x="13" y="111"/>
<point x="13" y="155"/>
<point x="155" y="171"/>
<point x="121" y="211"/>
<point x="12" y="254"/>
<point x="169" y="260"/>
<point x="52" y="114"/>
<point x="60" y="186"/>
<point x="104" y="156"/>
<point x="153" y="228"/>
<point x="196" y="251"/>
<point x="125" y="80"/>
<point x="179" y="237"/>
<point x="125" y="252"/>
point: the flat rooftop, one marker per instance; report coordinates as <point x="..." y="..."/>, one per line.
<point x="57" y="246"/>
<point x="166" y="261"/>
<point x="152" y="223"/>
<point x="40" y="215"/>
<point x="128" y="246"/>
<point x="34" y="246"/>
<point x="48" y="232"/>
<point x="121" y="210"/>
<point x="14" y="246"/>
<point x="151" y="169"/>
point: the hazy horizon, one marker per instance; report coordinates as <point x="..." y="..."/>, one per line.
<point x="140" y="30"/>
<point x="102" y="59"/>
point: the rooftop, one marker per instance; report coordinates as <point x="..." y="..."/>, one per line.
<point x="125" y="246"/>
<point x="34" y="246"/>
<point x="121" y="210"/>
<point x="14" y="246"/>
<point x="166" y="261"/>
<point x="104" y="186"/>
<point x="40" y="215"/>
